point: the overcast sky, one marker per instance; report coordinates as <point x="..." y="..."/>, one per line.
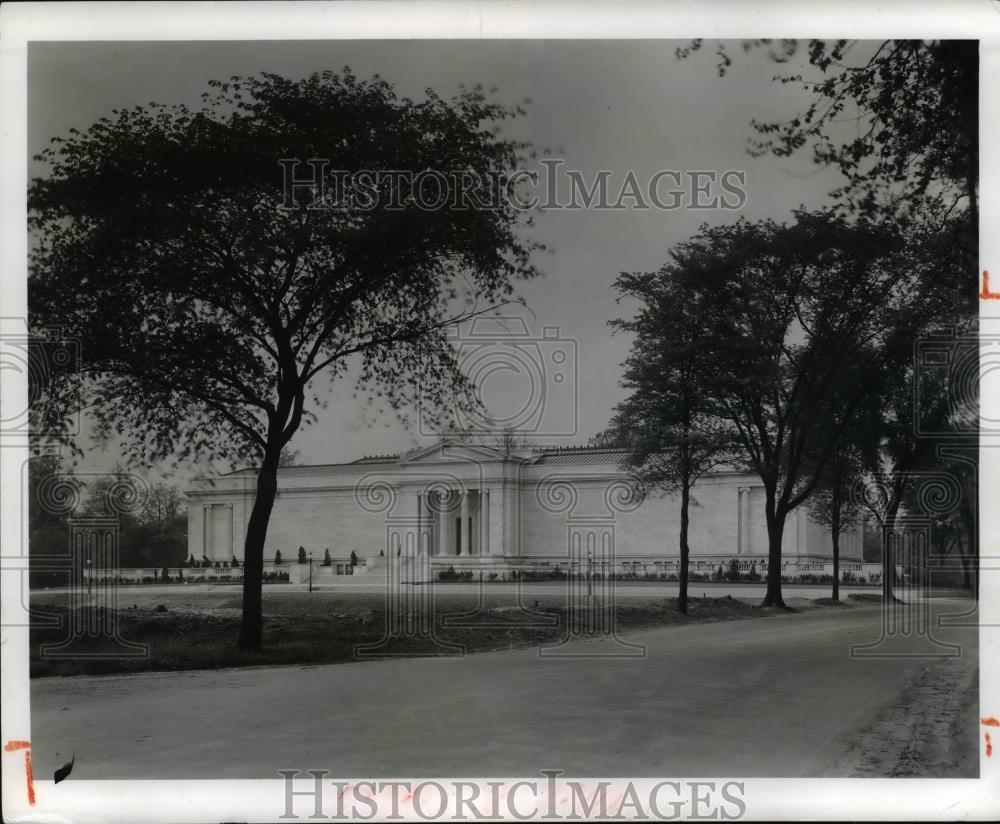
<point x="615" y="105"/>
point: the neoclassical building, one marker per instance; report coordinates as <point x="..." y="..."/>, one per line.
<point x="468" y="506"/>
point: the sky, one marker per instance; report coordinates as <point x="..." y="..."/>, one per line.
<point x="619" y="106"/>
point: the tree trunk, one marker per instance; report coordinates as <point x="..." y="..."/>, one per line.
<point x="775" y="528"/>
<point x="682" y="596"/>
<point x="252" y="626"/>
<point x="835" y="529"/>
<point x="969" y="558"/>
<point x="888" y="555"/>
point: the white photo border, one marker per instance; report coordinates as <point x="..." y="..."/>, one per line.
<point x="264" y="800"/>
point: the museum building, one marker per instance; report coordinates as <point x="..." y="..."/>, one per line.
<point x="470" y="506"/>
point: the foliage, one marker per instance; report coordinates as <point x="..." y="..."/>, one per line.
<point x="733" y="573"/>
<point x="302" y="555"/>
<point x="893" y="115"/>
<point x="52" y="494"/>
<point x="165" y="231"/>
<point x="450" y="574"/>
<point x="277" y="577"/>
<point x="354" y="558"/>
<point x="277" y="557"/>
<point x="327" y="560"/>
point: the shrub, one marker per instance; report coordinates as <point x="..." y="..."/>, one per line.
<point x="277" y="557"/>
<point x="451" y="575"/>
<point x="327" y="560"/>
<point x="848" y="577"/>
<point x="733" y="573"/>
<point x="354" y="558"/>
<point x="165" y="575"/>
<point x="492" y="576"/>
<point x="191" y="561"/>
<point x="302" y="555"/>
<point x="236" y="563"/>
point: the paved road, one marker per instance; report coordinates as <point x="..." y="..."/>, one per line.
<point x="777" y="696"/>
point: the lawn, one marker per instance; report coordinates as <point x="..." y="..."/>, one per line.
<point x="197" y="629"/>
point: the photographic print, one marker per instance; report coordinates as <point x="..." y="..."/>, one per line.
<point x="496" y="416"/>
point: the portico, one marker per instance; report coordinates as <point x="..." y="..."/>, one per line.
<point x="455" y="522"/>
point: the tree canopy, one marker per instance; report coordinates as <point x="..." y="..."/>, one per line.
<point x="207" y="307"/>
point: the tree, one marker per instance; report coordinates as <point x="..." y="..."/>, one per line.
<point x="354" y="558"/>
<point x="162" y="527"/>
<point x="833" y="504"/>
<point x="53" y="495"/>
<point x="212" y="299"/>
<point x="508" y="441"/>
<point x="302" y="555"/>
<point x="277" y="559"/>
<point x="327" y="560"/>
<point x="666" y="422"/>
<point x="121" y="495"/>
<point x="903" y="450"/>
<point x="787" y="310"/>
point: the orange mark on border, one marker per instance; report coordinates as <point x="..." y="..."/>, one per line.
<point x="14" y="746"/>
<point x="989" y="746"/>
<point x="986" y="294"/>
<point x="990" y="721"/>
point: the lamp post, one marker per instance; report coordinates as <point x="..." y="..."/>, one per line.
<point x="310" y="571"/>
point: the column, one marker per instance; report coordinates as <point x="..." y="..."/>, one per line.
<point x="420" y="522"/>
<point x="497" y="537"/>
<point x="484" y="521"/>
<point x="206" y="538"/>
<point x="442" y="525"/>
<point x="231" y="531"/>
<point x="744" y="521"/>
<point x="464" y="524"/>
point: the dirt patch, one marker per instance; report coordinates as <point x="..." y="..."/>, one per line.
<point x="931" y="731"/>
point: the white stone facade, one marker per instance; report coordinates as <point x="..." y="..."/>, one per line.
<point x="470" y="506"/>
